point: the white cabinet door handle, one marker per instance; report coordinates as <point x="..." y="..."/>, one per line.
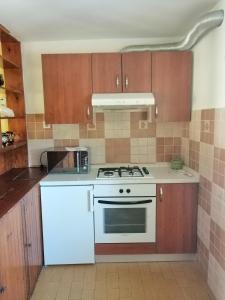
<point x="161" y="193"/>
<point x="90" y="201"/>
<point x="117" y="81"/>
<point x="126" y="82"/>
<point x="156" y="111"/>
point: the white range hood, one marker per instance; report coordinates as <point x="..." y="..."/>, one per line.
<point x="123" y="100"/>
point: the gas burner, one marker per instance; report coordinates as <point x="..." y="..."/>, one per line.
<point x="108" y="173"/>
<point x="134" y="171"/>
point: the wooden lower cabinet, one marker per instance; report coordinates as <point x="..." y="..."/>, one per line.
<point x="31" y="211"/>
<point x="176" y="218"/>
<point x="21" y="248"/>
<point x="13" y="281"/>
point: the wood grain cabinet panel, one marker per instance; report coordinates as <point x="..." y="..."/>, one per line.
<point x="172" y="85"/>
<point x="176" y="218"/>
<point x="32" y="236"/>
<point x="106" y="73"/>
<point x="12" y="261"/>
<point x="136" y="70"/>
<point x="67" y="84"/>
<point x="116" y="73"/>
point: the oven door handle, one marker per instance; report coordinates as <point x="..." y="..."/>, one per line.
<point x="124" y="202"/>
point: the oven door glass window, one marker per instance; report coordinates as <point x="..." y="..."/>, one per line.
<point x="125" y="220"/>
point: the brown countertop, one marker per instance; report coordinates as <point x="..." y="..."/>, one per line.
<point x="14" y="185"/>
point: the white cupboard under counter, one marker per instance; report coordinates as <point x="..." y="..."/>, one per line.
<point x="68" y="225"/>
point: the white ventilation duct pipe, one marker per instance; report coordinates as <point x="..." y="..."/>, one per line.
<point x="208" y="22"/>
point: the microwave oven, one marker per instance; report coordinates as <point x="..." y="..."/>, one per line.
<point x="67" y="160"/>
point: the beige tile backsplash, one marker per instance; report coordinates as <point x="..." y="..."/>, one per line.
<point x="113" y="137"/>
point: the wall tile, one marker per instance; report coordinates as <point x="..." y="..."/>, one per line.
<point x="218" y="205"/>
<point x="219" y="167"/>
<point x="206" y="157"/>
<point x="95" y="129"/>
<point x="66" y="143"/>
<point x="185" y="150"/>
<point x="117" y="150"/>
<point x="219" y="124"/>
<point x="35" y="148"/>
<point x="140" y="127"/>
<point x="195" y="126"/>
<point x="204" y="226"/>
<point x="143" y="150"/>
<point x="65" y="131"/>
<point x="203" y="256"/>
<point x="205" y="194"/>
<point x="170" y="129"/>
<point x="194" y="149"/>
<point x="207" y="126"/>
<point x="97" y="150"/>
<point x="117" y="124"/>
<point x="168" y="148"/>
<point x="217" y="243"/>
<point x="216" y="278"/>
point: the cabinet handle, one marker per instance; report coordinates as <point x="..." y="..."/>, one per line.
<point x="88" y="113"/>
<point x="90" y="201"/>
<point x="117" y="81"/>
<point x="28" y="245"/>
<point x="161" y="193"/>
<point x="126" y="82"/>
<point x="156" y="111"/>
<point x="2" y="289"/>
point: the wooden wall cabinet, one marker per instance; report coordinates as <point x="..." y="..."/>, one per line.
<point x="21" y="255"/>
<point x="116" y="73"/>
<point x="12" y="91"/>
<point x="176" y="218"/>
<point x="172" y="85"/>
<point x="67" y="86"/>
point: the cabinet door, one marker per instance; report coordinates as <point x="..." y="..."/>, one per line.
<point x="106" y="73"/>
<point x="67" y="86"/>
<point x="172" y="85"/>
<point x="176" y="218"/>
<point x="32" y="235"/>
<point x="136" y="70"/>
<point x="68" y="229"/>
<point x="12" y="262"/>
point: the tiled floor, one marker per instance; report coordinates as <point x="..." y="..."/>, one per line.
<point x="123" y="281"/>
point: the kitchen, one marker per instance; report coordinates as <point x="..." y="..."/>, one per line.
<point x="119" y="139"/>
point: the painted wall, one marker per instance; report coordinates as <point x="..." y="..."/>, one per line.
<point x="209" y="69"/>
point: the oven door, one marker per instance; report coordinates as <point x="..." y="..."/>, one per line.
<point x="125" y="220"/>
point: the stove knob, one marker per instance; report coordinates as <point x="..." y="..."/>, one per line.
<point x="121" y="191"/>
<point x="128" y="191"/>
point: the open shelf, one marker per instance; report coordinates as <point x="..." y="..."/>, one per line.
<point x="7" y="64"/>
<point x="16" y="145"/>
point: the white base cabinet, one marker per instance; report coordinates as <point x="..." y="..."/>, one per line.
<point x="68" y="227"/>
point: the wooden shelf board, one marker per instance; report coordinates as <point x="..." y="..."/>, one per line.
<point x="8" y="118"/>
<point x="14" y="146"/>
<point x="11" y="90"/>
<point x="7" y="64"/>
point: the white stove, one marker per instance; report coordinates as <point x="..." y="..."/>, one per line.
<point x="122" y="172"/>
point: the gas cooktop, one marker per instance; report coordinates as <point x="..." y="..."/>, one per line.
<point x="119" y="172"/>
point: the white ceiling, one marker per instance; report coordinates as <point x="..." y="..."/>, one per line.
<point x="38" y="20"/>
